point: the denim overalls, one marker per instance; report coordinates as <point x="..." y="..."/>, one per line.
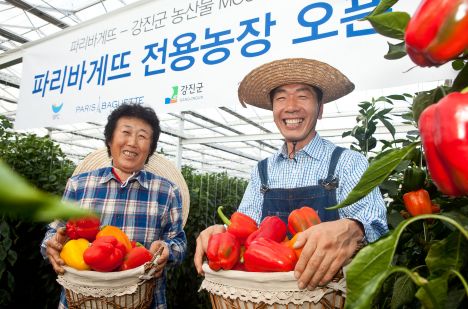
<point x="280" y="202"/>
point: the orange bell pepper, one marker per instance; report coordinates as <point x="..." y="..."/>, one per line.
<point x="418" y="202"/>
<point x="110" y="230"/>
<point x="301" y="219"/>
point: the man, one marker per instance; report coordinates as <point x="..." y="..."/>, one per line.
<point x="147" y="207"/>
<point x="307" y="170"/>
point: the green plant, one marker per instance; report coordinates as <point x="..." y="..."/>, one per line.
<point x="423" y="261"/>
<point x="26" y="280"/>
<point x="207" y="192"/>
<point x="370" y="114"/>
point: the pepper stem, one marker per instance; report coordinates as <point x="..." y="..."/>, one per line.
<point x="223" y="217"/>
<point x="465" y="90"/>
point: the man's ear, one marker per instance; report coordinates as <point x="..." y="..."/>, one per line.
<point x="320" y="112"/>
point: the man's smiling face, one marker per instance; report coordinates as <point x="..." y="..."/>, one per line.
<point x="295" y="111"/>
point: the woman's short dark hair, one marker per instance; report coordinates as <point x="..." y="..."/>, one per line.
<point x="147" y="114"/>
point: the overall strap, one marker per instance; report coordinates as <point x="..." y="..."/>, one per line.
<point x="263" y="171"/>
<point x="334" y="160"/>
<point x="331" y="182"/>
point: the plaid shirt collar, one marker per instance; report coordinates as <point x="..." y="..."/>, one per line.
<point x="141" y="176"/>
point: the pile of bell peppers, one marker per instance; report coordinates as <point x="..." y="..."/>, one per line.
<point x="437" y="32"/>
<point x="108" y="249"/>
<point x="262" y="248"/>
<point x="444" y="134"/>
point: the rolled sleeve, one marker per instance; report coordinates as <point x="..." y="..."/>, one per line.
<point x="370" y="210"/>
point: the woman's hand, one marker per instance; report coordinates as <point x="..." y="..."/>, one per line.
<point x="54" y="247"/>
<point x="162" y="261"/>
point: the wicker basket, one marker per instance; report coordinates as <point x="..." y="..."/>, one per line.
<point x="128" y="289"/>
<point x="246" y="290"/>
<point x="140" y="299"/>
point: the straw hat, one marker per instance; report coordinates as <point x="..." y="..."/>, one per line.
<point x="157" y="164"/>
<point x="256" y="86"/>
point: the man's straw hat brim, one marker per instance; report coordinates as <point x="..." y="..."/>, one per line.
<point x="256" y="86"/>
<point x="157" y="165"/>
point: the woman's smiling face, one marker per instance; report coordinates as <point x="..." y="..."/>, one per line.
<point x="295" y="111"/>
<point x="130" y="144"/>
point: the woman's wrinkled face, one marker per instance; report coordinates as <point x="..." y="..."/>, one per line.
<point x="295" y="111"/>
<point x="130" y="144"/>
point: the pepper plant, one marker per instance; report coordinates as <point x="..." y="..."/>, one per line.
<point x="26" y="279"/>
<point x="423" y="262"/>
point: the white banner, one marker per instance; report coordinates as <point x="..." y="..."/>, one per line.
<point x="184" y="55"/>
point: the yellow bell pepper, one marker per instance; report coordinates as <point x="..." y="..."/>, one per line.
<point x="110" y="230"/>
<point x="72" y="253"/>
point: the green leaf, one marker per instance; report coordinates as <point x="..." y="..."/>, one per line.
<point x="17" y="197"/>
<point x="384" y="112"/>
<point x="383" y="6"/>
<point x="403" y="292"/>
<point x="398" y="97"/>
<point x="420" y="102"/>
<point x="375" y="174"/>
<point x="390" y="24"/>
<point x="461" y="81"/>
<point x="389" y="126"/>
<point x="6" y="243"/>
<point x="373" y="264"/>
<point x="447" y="254"/>
<point x="454" y="298"/>
<point x="391" y="186"/>
<point x="394" y="219"/>
<point x="365" y="105"/>
<point x="3" y="253"/>
<point x="12" y="257"/>
<point x="4" y="229"/>
<point x="438" y="293"/>
<point x="395" y="51"/>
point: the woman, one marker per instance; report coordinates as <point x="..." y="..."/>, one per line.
<point x="147" y="207"/>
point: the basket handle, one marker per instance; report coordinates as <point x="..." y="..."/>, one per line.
<point x="150" y="267"/>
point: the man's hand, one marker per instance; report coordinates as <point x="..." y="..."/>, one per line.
<point x="202" y="244"/>
<point x="326" y="248"/>
<point x="54" y="247"/>
<point x="162" y="261"/>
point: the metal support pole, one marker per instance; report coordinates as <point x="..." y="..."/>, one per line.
<point x="179" y="142"/>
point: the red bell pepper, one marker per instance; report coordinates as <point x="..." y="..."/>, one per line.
<point x="223" y="251"/>
<point x="301" y="219"/>
<point x="271" y="227"/>
<point x="105" y="254"/>
<point x="437" y="32"/>
<point x="266" y="255"/>
<point x="444" y="134"/>
<point x="418" y="202"/>
<point x="86" y="228"/>
<point x="239" y="225"/>
<point x="137" y="256"/>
